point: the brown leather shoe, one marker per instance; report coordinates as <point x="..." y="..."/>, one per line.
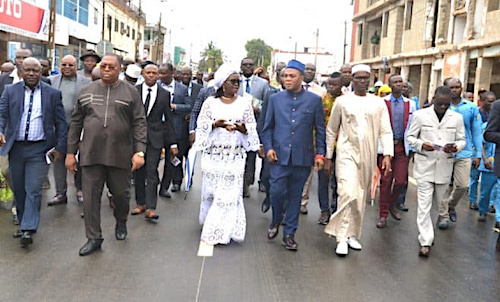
<point x="424" y="251"/>
<point x="151" y="214"/>
<point x="324" y="218"/>
<point x="394" y="213"/>
<point x="58" y="199"/>
<point x="138" y="210"/>
<point x="382" y="223"/>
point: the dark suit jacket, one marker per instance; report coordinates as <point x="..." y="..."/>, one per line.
<point x="195" y="90"/>
<point x="288" y="129"/>
<point x="158" y="131"/>
<point x="492" y="133"/>
<point x="263" y="111"/>
<point x="54" y="119"/>
<point x="6" y="79"/>
<point x="183" y="103"/>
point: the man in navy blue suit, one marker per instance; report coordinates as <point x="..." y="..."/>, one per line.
<point x="32" y="124"/>
<point x="291" y="117"/>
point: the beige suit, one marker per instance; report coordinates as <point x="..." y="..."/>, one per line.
<point x="433" y="169"/>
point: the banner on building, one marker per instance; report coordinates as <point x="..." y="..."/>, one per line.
<point x="23" y="18"/>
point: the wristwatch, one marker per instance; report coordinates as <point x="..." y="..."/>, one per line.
<point x="140" y="153"/>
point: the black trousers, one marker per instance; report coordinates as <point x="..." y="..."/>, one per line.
<point x="93" y="179"/>
<point x="249" y="178"/>
<point x="174" y="174"/>
<point x="146" y="179"/>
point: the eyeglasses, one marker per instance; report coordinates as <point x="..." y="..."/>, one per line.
<point x="235" y="81"/>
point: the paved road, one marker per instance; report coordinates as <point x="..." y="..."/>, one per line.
<point x="159" y="262"/>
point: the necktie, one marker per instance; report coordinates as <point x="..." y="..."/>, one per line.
<point x="148" y="98"/>
<point x="306" y="86"/>
<point x="248" y="86"/>
<point x="30" y="108"/>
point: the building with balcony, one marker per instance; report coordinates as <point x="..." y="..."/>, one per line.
<point x="427" y="41"/>
<point x="154" y="43"/>
<point x="124" y="27"/>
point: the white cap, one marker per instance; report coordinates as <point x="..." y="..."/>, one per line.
<point x="133" y="71"/>
<point x="360" y="67"/>
<point x="378" y="84"/>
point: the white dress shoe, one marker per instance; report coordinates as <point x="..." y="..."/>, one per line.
<point x="354" y="243"/>
<point x="342" y="248"/>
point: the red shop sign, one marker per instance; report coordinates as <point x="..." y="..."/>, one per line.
<point x="21" y="15"/>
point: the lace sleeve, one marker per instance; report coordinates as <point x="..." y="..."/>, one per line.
<point x="251" y="139"/>
<point x="204" y="127"/>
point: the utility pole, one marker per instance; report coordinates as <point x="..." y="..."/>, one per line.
<point x="137" y="41"/>
<point x="295" y="53"/>
<point x="316" y="52"/>
<point x="158" y="43"/>
<point x="104" y="20"/>
<point x="52" y="33"/>
<point x="345" y="41"/>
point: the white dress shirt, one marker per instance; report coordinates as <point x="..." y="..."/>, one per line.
<point x="170" y="88"/>
<point x="35" y="132"/>
<point x="154" y="92"/>
<point x="14" y="76"/>
<point x="244" y="83"/>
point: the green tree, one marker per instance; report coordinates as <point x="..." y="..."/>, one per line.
<point x="259" y="52"/>
<point x="211" y="58"/>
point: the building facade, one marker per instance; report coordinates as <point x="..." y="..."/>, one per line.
<point x="154" y="43"/>
<point x="427" y="41"/>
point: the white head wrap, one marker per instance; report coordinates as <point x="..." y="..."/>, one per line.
<point x="361" y="67"/>
<point x="221" y="75"/>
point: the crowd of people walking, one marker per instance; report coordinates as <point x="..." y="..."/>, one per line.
<point x="112" y="123"/>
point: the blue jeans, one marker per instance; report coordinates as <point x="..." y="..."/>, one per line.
<point x="28" y="170"/>
<point x="286" y="184"/>
<point x="488" y="182"/>
<point x="474" y="180"/>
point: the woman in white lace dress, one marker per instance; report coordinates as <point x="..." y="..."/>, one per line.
<point x="226" y="130"/>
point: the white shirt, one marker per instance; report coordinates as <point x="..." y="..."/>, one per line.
<point x="14" y="76"/>
<point x="244" y="82"/>
<point x="314" y="88"/>
<point x="170" y="88"/>
<point x="154" y="92"/>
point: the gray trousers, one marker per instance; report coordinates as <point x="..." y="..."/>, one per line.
<point x="461" y="177"/>
<point x="93" y="179"/>
<point x="60" y="176"/>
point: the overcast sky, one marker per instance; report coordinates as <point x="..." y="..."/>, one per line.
<point x="230" y="23"/>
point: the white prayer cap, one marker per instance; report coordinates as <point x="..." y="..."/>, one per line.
<point x="379" y="84"/>
<point x="221" y="75"/>
<point x="133" y="71"/>
<point x="360" y="67"/>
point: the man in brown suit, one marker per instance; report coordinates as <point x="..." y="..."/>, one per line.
<point x="111" y="115"/>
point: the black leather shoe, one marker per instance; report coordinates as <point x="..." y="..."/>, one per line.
<point x="474" y="206"/>
<point x="165" y="193"/>
<point x="176" y="188"/>
<point x="262" y="188"/>
<point x="289" y="243"/>
<point x="402" y="207"/>
<point x="121" y="230"/>
<point x="91" y="246"/>
<point x="272" y="231"/>
<point x="58" y="199"/>
<point x="17" y="234"/>
<point x="26" y="239"/>
<point x="453" y="215"/>
<point x="265" y="205"/>
<point x="246" y="194"/>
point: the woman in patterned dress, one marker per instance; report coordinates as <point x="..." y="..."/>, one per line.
<point x="226" y="130"/>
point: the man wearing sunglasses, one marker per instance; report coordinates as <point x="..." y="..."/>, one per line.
<point x="69" y="83"/>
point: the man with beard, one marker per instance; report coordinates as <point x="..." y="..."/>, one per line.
<point x="111" y="114"/>
<point x="358" y="121"/>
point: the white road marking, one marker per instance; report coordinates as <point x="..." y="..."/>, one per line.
<point x="199" y="281"/>
<point x="205" y="250"/>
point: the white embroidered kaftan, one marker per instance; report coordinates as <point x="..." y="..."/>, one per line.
<point x="223" y="164"/>
<point x="359" y="122"/>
